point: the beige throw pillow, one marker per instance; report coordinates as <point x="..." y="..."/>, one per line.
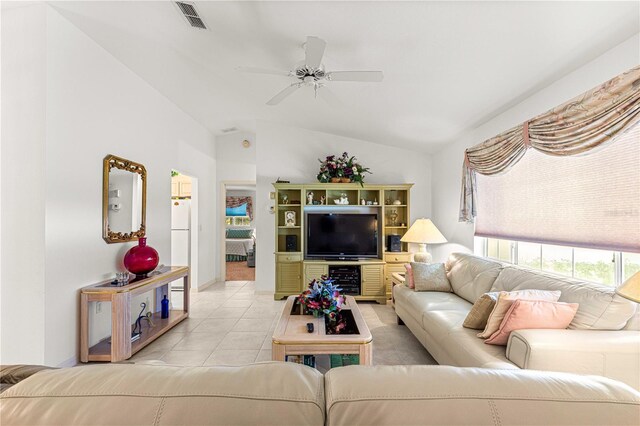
<point x="430" y="277"/>
<point x="480" y="311"/>
<point x="505" y="300"/>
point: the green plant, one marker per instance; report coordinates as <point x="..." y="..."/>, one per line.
<point x="174" y="173"/>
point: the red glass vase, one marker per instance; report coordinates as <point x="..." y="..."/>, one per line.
<point x="141" y="259"/>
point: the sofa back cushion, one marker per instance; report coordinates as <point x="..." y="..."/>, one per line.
<point x="266" y="394"/>
<point x="634" y="322"/>
<point x="444" y="395"/>
<point x="471" y="276"/>
<point x="599" y="306"/>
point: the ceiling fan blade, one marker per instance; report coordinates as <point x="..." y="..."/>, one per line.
<point x="374" y="76"/>
<point x="283" y="94"/>
<point x="256" y="70"/>
<point x="313" y="51"/>
<point x="328" y="96"/>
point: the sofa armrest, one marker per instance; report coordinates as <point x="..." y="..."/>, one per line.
<point x="613" y="354"/>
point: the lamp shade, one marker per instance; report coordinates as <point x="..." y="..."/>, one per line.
<point x="423" y="231"/>
<point x="630" y="289"/>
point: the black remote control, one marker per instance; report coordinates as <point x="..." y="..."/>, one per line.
<point x="309" y="327"/>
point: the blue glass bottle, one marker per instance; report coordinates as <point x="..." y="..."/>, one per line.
<point x="165" y="308"/>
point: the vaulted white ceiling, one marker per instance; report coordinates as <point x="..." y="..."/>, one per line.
<point x="448" y="66"/>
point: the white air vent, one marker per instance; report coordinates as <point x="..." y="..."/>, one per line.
<point x="190" y="13"/>
<point x="230" y="129"/>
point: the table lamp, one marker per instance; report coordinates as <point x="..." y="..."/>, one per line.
<point x="423" y="232"/>
<point x="630" y="289"/>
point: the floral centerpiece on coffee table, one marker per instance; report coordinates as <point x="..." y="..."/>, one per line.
<point x="323" y="298"/>
<point x="341" y="169"/>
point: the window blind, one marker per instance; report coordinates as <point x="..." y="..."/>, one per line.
<point x="589" y="201"/>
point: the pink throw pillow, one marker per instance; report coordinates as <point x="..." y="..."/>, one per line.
<point x="409" y="276"/>
<point x="533" y="314"/>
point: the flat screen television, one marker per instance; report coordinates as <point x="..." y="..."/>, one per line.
<point x="341" y="235"/>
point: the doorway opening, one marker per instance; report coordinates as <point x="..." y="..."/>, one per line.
<point x="184" y="225"/>
<point x="239" y="236"/>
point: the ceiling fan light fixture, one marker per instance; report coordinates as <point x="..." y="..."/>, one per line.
<point x="311" y="72"/>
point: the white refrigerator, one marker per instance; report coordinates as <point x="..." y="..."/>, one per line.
<point x="180" y="243"/>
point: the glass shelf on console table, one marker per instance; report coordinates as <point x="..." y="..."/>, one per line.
<point x="120" y="345"/>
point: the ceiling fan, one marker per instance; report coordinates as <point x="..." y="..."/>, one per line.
<point x="311" y="72"/>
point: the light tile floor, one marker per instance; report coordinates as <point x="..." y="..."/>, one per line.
<point x="229" y="324"/>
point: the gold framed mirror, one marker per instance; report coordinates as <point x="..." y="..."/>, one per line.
<point x="124" y="200"/>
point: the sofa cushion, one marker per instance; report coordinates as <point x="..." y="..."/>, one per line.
<point x="461" y="344"/>
<point x="506" y="299"/>
<point x="440" y="395"/>
<point x="267" y="393"/>
<point x="471" y="276"/>
<point x="418" y="302"/>
<point x="430" y="277"/>
<point x="409" y="276"/>
<point x="600" y="308"/>
<point x="439" y="323"/>
<point x="533" y="314"/>
<point x="468" y="351"/>
<point x="13" y="374"/>
<point x="480" y="312"/>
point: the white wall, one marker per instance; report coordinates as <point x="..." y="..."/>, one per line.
<point x="292" y="154"/>
<point x="22" y="301"/>
<point x="447" y="163"/>
<point x="94" y="106"/>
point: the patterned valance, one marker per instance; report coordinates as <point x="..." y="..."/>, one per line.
<point x="586" y="122"/>
<point x="238" y="201"/>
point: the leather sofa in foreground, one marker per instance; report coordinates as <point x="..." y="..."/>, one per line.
<point x="602" y="339"/>
<point x="291" y="394"/>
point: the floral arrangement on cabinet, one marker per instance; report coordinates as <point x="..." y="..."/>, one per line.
<point x="341" y="169"/>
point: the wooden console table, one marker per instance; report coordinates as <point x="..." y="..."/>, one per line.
<point x="119" y="346"/>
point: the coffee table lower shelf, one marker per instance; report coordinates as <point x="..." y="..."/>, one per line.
<point x="280" y="352"/>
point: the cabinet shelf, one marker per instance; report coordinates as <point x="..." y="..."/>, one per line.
<point x="289" y="205"/>
<point x="289" y="227"/>
<point x="395" y="205"/>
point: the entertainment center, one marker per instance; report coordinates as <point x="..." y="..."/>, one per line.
<point x="343" y="228"/>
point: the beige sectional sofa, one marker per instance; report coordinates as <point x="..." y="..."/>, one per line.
<point x="603" y="338"/>
<point x="292" y="394"/>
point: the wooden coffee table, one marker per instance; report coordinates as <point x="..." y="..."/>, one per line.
<point x="291" y="336"/>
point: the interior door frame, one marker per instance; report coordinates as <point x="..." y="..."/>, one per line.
<point x="222" y="202"/>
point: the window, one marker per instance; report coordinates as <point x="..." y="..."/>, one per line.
<point x="557" y="259"/>
<point x="595" y="265"/>
<point x="590" y="201"/>
<point x="237" y="216"/>
<point x="238" y="221"/>
<point x="529" y="255"/>
<point x="598" y="266"/>
<point x="630" y="264"/>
